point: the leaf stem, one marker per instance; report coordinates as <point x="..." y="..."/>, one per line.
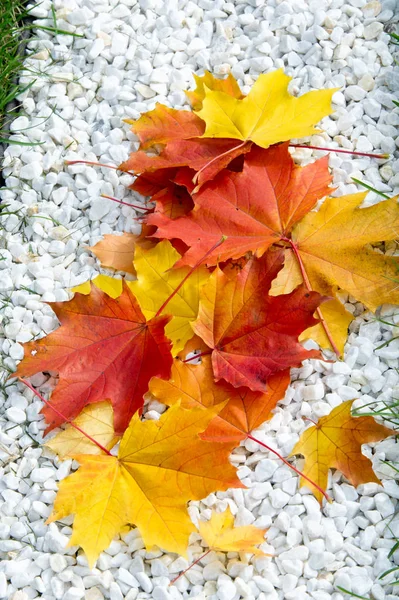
<point x="309" y="287"/>
<point x="197" y="356"/>
<point x="183" y="281"/>
<point x="189" y="567"/>
<point x="96" y="164"/>
<point x="326" y="496"/>
<point x="126" y="203"/>
<point x="30" y="386"/>
<point x="218" y="157"/>
<point x="340" y="150"/>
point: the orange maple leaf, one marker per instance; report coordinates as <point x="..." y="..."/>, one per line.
<point x="193" y="385"/>
<point x="117" y="251"/>
<point x="253" y="208"/>
<point x="207" y="156"/>
<point x="164" y="124"/>
<point x="104" y="349"/>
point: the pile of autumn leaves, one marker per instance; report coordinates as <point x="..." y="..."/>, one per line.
<point x="232" y="263"/>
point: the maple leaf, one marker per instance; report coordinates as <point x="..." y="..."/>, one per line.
<point x="151" y="182"/>
<point x="156" y="282"/>
<point x="220" y="534"/>
<point x="330" y="247"/>
<point x="96" y="421"/>
<point x="169" y="188"/>
<point x="117" y="251"/>
<point x="164" y="124"/>
<point x="161" y="465"/>
<point x="228" y="85"/>
<point x="335" y="442"/>
<point x="193" y="385"/>
<point x="268" y="115"/>
<point x="110" y="285"/>
<point x="104" y="349"/>
<point x="206" y="156"/>
<point x="253" y="208"/>
<point x="253" y="335"/>
<point x="336" y="319"/>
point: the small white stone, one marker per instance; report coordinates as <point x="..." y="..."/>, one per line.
<point x="195" y="46"/>
<point x="372" y="108"/>
<point x="384" y="505"/>
<point x="99" y="209"/>
<point x="74" y="593"/>
<point x="212" y="570"/>
<point x="279" y="498"/>
<point x="373" y="30"/>
<point x="359" y="556"/>
<point x="145" y="90"/>
<point x="226" y="590"/>
<point x="355" y="92"/>
<point x="110" y="87"/>
<point x="80" y="16"/>
<point x="144" y="581"/>
<point x="58" y="563"/>
<point x="128" y="578"/>
<point x="19" y="124"/>
<point x="59" y="195"/>
<point x="16" y="415"/>
<point x="313" y="392"/>
<point x="31" y="171"/>
<point x="289" y="582"/>
<point x="3" y="585"/>
<point x="265" y="469"/>
<point x="96" y="48"/>
<point x="367" y="82"/>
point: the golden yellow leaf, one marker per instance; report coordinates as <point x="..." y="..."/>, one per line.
<point x="109" y="285"/>
<point x="228" y="85"/>
<point x="220" y="534"/>
<point x="268" y="115"/>
<point x="332" y="244"/>
<point x="335" y="442"/>
<point x="156" y="280"/>
<point x="336" y="317"/>
<point x="161" y="465"/>
<point x="97" y="421"/>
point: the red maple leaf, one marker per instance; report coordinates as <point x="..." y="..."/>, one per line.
<point x="104" y="349"/>
<point x="253" y="335"/>
<point x="207" y="156"/>
<point x="253" y="208"/>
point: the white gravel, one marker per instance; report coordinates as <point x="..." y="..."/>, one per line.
<point x="134" y="53"/>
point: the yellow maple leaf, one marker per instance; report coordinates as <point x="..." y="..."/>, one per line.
<point x="268" y="115"/>
<point x="220" y="534"/>
<point x="156" y="280"/>
<point x="228" y="85"/>
<point x="336" y="317"/>
<point x="109" y="285"/>
<point x="161" y="465"/>
<point x="332" y="246"/>
<point x="335" y="442"/>
<point x="96" y="420"/>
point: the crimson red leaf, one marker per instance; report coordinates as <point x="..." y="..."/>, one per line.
<point x="253" y="335"/>
<point x="104" y="349"/>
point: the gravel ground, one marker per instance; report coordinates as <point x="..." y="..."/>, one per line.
<point x="134" y="53"/>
